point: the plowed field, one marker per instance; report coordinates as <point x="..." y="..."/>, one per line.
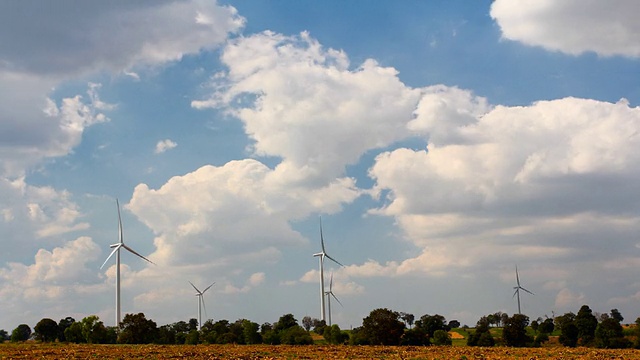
<point x="72" y="351"/>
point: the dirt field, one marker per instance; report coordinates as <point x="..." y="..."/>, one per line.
<point x="72" y="351"/>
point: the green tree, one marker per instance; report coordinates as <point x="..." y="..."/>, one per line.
<point x="453" y="324"/>
<point x="295" y="335"/>
<point x="609" y="335"/>
<point x="415" y="337"/>
<point x="93" y="330"/>
<point x="136" y="329"/>
<point x="383" y="327"/>
<point x="285" y="322"/>
<point x="250" y="332"/>
<point x="441" y="337"/>
<point x="514" y="332"/>
<point x="46" y="330"/>
<point x="546" y="327"/>
<point x="21" y="333"/>
<point x="307" y="322"/>
<point x="193" y="338"/>
<point x="407" y="318"/>
<point x="333" y="335"/>
<point x="358" y="337"/>
<point x="73" y="333"/>
<point x="569" y="334"/>
<point x="481" y="336"/>
<point x="166" y="335"/>
<point x="63" y="324"/>
<point x="617" y="316"/>
<point x="586" y="323"/>
<point x="431" y="323"/>
<point x="4" y="335"/>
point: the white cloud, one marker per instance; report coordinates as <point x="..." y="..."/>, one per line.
<point x="566" y="299"/>
<point x="317" y="130"/>
<point x="572" y="26"/>
<point x="164" y="145"/>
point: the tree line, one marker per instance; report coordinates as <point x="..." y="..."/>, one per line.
<point x="381" y="327"/>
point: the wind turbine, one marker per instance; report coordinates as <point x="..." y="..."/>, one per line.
<point x="518" y="288"/>
<point x="116" y="250"/>
<point x="322" y="255"/>
<point x="329" y="295"/>
<point x="200" y="295"/>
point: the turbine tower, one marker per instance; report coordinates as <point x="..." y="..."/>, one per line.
<point x="321" y="256"/>
<point x="518" y="288"/>
<point x="116" y="250"/>
<point x="200" y="295"/>
<point x="329" y="294"/>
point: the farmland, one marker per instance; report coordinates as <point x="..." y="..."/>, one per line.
<point x="32" y="350"/>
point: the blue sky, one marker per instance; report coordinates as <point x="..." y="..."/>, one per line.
<point x="442" y="143"/>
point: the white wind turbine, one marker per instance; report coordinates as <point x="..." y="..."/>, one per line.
<point x="329" y="294"/>
<point x="116" y="250"/>
<point x="200" y="295"/>
<point x="322" y="255"/>
<point x="518" y="288"/>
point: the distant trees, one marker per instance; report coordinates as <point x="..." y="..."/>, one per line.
<point x="481" y="336"/>
<point x="4" y="335"/>
<point x="136" y="329"/>
<point x="46" y="330"/>
<point x="514" y="331"/>
<point x="609" y="332"/>
<point x="383" y="327"/>
<point x="21" y="333"/>
<point x="586" y="323"/>
<point x="63" y="324"/>
<point x="432" y="323"/>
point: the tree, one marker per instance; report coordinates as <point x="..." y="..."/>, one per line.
<point x="21" y="333"/>
<point x="4" y="335"/>
<point x="73" y="333"/>
<point x="415" y="337"/>
<point x="307" y="322"/>
<point x="453" y="324"/>
<point x="383" y="327"/>
<point x="333" y="335"/>
<point x="586" y="323"/>
<point x="569" y="334"/>
<point x="441" y="337"/>
<point x="407" y="318"/>
<point x="285" y="322"/>
<point x="481" y="336"/>
<point x="535" y="325"/>
<point x="63" y="324"/>
<point x="46" y="330"/>
<point x="546" y="327"/>
<point x="514" y="332"/>
<point x="609" y="334"/>
<point x="193" y="324"/>
<point x="295" y="335"/>
<point x="431" y="323"/>
<point x="250" y="332"/>
<point x="136" y="329"/>
<point x="93" y="330"/>
<point x="617" y="316"/>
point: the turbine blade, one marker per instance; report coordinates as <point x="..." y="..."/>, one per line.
<point x="527" y="291"/>
<point x="334" y="296"/>
<point x="198" y="291"/>
<point x="135" y="253"/>
<point x="334" y="260"/>
<point x="517" y="277"/>
<point x="516" y="292"/>
<point x="120" y="236"/>
<point x="331" y="283"/>
<point x="204" y="306"/>
<point x="321" y="237"/>
<point x="110" y="255"/>
<point x="208" y="287"/>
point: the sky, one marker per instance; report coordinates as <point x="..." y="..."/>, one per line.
<point x="442" y="143"/>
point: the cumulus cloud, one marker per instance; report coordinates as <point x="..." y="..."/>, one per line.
<point x="304" y="104"/>
<point x="164" y="145"/>
<point x="573" y="26"/>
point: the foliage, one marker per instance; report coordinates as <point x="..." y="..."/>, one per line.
<point x="481" y="336"/>
<point x="514" y="332"/>
<point x="250" y="332"/>
<point x="307" y="322"/>
<point x="73" y="333"/>
<point x="93" y="330"/>
<point x="609" y="334"/>
<point x="547" y="326"/>
<point x="586" y="323"/>
<point x="415" y="337"/>
<point x="46" y="330"/>
<point x="192" y="338"/>
<point x="441" y="337"/>
<point x="333" y="335"/>
<point x="540" y="339"/>
<point x="63" y="324"/>
<point x="383" y="327"/>
<point x="21" y="333"/>
<point x="431" y="323"/>
<point x="4" y="335"/>
<point x="295" y="335"/>
<point x="358" y="337"/>
<point x="407" y="318"/>
<point x="453" y="324"/>
<point x="136" y="329"/>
